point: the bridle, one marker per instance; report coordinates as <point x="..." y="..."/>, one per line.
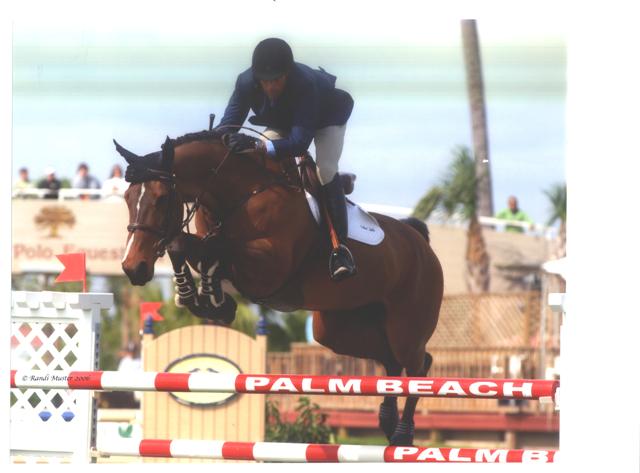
<point x="165" y="234"/>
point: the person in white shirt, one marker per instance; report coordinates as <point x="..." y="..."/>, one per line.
<point x="114" y="187"/>
<point x="130" y="362"/>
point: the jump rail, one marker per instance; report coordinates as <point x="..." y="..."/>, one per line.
<point x="544" y="390"/>
<point x="307" y="453"/>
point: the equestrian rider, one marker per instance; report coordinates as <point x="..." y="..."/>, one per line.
<point x="297" y="104"/>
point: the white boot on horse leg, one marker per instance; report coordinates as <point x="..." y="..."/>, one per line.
<point x="218" y="305"/>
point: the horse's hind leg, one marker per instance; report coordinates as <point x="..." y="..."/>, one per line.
<point x="388" y="413"/>
<point x="405" y="429"/>
<point x="360" y="332"/>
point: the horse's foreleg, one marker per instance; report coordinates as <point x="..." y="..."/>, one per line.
<point x="208" y="301"/>
<point x="211" y="298"/>
<point x="178" y="250"/>
<point x="405" y="429"/>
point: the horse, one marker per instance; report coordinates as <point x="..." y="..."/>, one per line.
<point x="271" y="250"/>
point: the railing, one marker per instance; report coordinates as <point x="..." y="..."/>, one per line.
<point x="391" y="210"/>
<point x="37" y="193"/>
<point x="64" y="194"/>
<point x="457" y="220"/>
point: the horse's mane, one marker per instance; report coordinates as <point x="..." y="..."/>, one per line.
<point x="204" y="135"/>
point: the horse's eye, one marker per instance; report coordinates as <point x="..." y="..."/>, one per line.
<point x="162" y="200"/>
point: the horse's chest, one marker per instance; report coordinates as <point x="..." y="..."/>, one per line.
<point x="259" y="266"/>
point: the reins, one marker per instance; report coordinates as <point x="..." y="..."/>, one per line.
<point x="243" y="201"/>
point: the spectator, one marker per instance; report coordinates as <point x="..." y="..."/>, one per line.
<point x="84" y="180"/>
<point x="130" y="358"/>
<point x="514" y="213"/>
<point x="23" y="181"/>
<point x="50" y="182"/>
<point x="115" y="185"/>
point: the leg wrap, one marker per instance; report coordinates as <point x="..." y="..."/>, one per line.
<point x="404" y="434"/>
<point x="388" y="418"/>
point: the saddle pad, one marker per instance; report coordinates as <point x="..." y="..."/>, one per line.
<point x="362" y="226"/>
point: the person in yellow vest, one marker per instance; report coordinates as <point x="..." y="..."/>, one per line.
<point x="514" y="213"/>
<point x="23" y="181"/>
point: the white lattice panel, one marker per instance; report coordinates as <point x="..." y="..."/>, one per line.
<point x="54" y="331"/>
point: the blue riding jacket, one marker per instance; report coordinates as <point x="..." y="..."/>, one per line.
<point x="310" y="101"/>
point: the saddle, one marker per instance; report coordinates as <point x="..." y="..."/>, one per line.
<point x="310" y="181"/>
<point x="362" y="227"/>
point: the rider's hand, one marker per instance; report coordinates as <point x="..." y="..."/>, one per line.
<point x="239" y="142"/>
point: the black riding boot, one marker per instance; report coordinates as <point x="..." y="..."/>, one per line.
<point x="341" y="264"/>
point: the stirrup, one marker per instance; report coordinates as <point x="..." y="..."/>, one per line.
<point x="341" y="264"/>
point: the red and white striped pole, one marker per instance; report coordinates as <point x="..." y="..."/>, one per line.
<point x="306" y="453"/>
<point x="287" y="384"/>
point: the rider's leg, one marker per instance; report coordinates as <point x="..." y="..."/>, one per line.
<point x="329" y="142"/>
<point x="273" y="134"/>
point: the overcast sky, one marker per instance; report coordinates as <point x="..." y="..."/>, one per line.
<point x="326" y="21"/>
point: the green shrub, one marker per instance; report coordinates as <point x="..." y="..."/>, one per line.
<point x="309" y="426"/>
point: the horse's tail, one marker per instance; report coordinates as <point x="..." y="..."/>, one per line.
<point x="419" y="225"/>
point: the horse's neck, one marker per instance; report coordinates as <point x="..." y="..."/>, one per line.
<point x="239" y="182"/>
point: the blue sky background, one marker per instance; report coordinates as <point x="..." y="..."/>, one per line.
<point x="75" y="87"/>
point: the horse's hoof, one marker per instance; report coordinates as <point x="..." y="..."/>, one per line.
<point x="224" y="314"/>
<point x="403" y="436"/>
<point x="227" y="313"/>
<point x="388" y="419"/>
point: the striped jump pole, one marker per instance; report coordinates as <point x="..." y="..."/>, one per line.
<point x="544" y="390"/>
<point x="308" y="453"/>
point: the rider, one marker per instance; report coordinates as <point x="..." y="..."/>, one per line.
<point x="297" y="104"/>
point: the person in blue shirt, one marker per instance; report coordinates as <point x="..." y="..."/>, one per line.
<point x="297" y="105"/>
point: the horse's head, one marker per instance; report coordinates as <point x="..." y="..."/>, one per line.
<point x="155" y="210"/>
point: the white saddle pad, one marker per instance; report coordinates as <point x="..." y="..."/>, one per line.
<point x="362" y="226"/>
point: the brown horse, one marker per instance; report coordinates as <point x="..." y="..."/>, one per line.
<point x="273" y="253"/>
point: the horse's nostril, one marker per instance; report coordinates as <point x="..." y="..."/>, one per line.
<point x="140" y="273"/>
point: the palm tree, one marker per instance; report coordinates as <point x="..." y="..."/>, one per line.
<point x="475" y="90"/>
<point x="557" y="195"/>
<point x="457" y="194"/>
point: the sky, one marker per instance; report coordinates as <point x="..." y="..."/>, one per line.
<point x="400" y="21"/>
<point x="108" y="61"/>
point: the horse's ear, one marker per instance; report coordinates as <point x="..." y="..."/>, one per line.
<point x="167" y="155"/>
<point x="125" y="153"/>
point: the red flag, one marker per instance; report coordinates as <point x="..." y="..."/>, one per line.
<point x="150" y="309"/>
<point x="74" y="269"/>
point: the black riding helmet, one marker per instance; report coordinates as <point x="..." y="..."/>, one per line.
<point x="272" y="58"/>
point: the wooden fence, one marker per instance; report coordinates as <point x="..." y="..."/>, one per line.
<point x="492" y="335"/>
